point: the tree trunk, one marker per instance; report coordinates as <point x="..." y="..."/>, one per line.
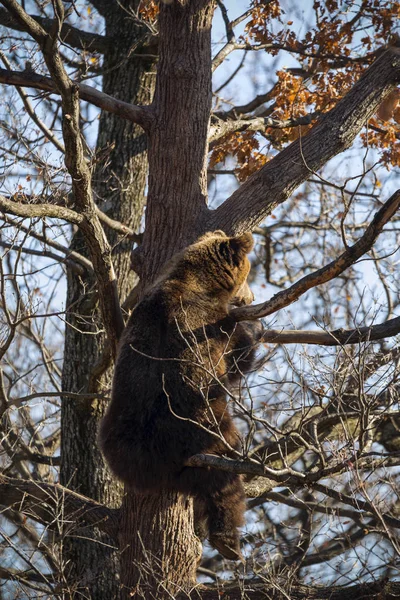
<point x="119" y="185"/>
<point x="159" y="551"/>
<point x="176" y="210"/>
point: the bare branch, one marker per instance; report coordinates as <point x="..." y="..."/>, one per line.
<point x="142" y="115"/>
<point x="339" y="337"/>
<point x="25" y="576"/>
<point x="226" y="464"/>
<point x="41" y="501"/>
<point x="261" y="590"/>
<point x="40" y="210"/>
<point x="83" y="40"/>
<point x="237" y="111"/>
<point x="78" y="167"/>
<point x="221" y="128"/>
<point x="118" y="226"/>
<point x="337" y="59"/>
<point x="329" y="271"/>
<point x="333" y="133"/>
<point x="25" y="21"/>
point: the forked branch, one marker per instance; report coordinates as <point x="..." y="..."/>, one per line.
<point x="83" y="40"/>
<point x="142" y="115"/>
<point x="39" y="210"/>
<point x="329" y="271"/>
<point x="332" y="134"/>
<point x="77" y="165"/>
<point x="43" y="502"/>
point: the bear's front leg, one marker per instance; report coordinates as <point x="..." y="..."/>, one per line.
<point x="241" y="353"/>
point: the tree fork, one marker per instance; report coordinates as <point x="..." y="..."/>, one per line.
<point x="334" y="132"/>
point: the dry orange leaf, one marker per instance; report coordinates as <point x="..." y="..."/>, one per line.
<point x="386" y="109"/>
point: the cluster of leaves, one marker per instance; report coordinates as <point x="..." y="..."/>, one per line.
<point x="148" y="10"/>
<point x="341" y="41"/>
<point x="245" y="147"/>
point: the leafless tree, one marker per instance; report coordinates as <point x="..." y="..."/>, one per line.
<point x="320" y="425"/>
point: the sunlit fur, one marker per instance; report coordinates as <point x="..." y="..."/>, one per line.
<point x="178" y="355"/>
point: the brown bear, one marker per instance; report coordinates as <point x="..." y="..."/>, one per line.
<point x="179" y="355"/>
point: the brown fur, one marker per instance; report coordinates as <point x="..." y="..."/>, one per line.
<point x="179" y="351"/>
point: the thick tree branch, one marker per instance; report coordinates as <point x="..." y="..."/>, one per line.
<point x="333" y="133"/>
<point x="121" y="228"/>
<point x="44" y="502"/>
<point x="142" y="115"/>
<point x="329" y="271"/>
<point x="237" y="111"/>
<point x="338" y="337"/>
<point x="25" y="21"/>
<point x="83" y="40"/>
<point x="40" y="210"/>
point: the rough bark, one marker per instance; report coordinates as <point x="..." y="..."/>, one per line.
<point x="159" y="553"/>
<point x="176" y="204"/>
<point x="118" y="185"/>
<point x="39" y="210"/>
<point x="177" y="197"/>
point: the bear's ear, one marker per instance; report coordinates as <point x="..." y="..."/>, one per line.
<point x="242" y="243"/>
<point x="211" y="234"/>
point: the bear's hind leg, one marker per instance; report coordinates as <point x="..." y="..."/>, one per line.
<point x="225" y="514"/>
<point x="221" y="495"/>
<point x="200" y="518"/>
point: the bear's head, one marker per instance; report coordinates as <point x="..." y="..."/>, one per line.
<point x="216" y="266"/>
